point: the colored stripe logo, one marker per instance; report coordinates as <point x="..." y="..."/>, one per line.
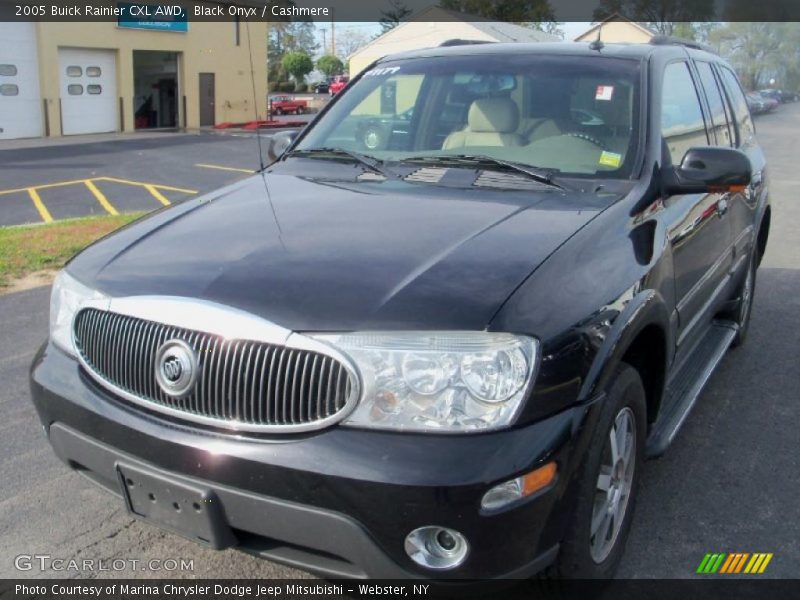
<point x="735" y="562"/>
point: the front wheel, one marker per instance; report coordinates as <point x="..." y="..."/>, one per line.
<point x="607" y="483"/>
<point x="746" y="301"/>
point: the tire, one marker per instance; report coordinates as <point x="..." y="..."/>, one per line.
<point x="745" y="309"/>
<point x="588" y="554"/>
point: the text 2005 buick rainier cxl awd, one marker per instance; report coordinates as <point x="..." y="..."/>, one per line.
<point x="443" y="349"/>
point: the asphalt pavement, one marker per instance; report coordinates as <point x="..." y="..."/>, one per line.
<point x="728" y="483"/>
<point x="72" y="177"/>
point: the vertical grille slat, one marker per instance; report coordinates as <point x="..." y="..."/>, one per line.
<point x="241" y="384"/>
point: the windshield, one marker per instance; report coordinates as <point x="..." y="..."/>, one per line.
<point x="577" y="115"/>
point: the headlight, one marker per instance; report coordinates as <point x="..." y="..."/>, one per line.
<point x="445" y="382"/>
<point x="67" y="297"/>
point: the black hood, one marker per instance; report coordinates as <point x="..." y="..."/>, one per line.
<point x="342" y="255"/>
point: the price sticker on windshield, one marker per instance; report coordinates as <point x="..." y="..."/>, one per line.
<point x="604" y="92"/>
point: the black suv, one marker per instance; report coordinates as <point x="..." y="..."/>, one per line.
<point x="447" y="355"/>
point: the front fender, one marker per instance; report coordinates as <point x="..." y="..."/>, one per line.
<point x="645" y="308"/>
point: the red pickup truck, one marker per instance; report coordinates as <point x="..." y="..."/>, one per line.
<point x="281" y="105"/>
<point x="338" y="84"/>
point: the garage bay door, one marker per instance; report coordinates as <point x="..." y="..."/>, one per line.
<point x="88" y="90"/>
<point x="20" y="98"/>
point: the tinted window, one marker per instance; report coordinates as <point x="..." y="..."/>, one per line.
<point x="682" y="122"/>
<point x="8" y="70"/>
<point x="743" y="120"/>
<point x="719" y="121"/>
<point x="562" y="112"/>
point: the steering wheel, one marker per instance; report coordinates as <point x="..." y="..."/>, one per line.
<point x="588" y="138"/>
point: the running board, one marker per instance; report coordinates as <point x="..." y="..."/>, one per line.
<point x="685" y="386"/>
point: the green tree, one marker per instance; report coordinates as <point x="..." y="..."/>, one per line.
<point x="761" y="51"/>
<point x="662" y="16"/>
<point x="537" y="14"/>
<point x="288" y="36"/>
<point x="330" y="65"/>
<point x="391" y="18"/>
<point x="298" y="65"/>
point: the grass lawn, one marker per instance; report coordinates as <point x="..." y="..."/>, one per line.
<point x="26" y="249"/>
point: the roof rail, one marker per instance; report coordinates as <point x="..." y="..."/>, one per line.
<point x="460" y="42"/>
<point x="666" y="40"/>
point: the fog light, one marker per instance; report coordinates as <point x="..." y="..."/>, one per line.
<point x="437" y="547"/>
<point x="511" y="491"/>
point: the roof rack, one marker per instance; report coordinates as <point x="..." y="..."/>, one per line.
<point x="460" y="42"/>
<point x="666" y="40"/>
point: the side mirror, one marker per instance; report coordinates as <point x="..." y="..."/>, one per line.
<point x="709" y="169"/>
<point x="279" y="142"/>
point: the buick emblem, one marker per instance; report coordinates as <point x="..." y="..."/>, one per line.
<point x="176" y="368"/>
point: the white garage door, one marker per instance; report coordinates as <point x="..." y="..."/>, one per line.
<point x="88" y="90"/>
<point x="20" y="98"/>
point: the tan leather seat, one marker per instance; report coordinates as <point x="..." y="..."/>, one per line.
<point x="490" y="122"/>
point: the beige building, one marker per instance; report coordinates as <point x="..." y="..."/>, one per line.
<point x="75" y="78"/>
<point x="433" y="26"/>
<point x="617" y="29"/>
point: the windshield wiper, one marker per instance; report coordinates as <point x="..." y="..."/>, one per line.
<point x="537" y="174"/>
<point x="368" y="161"/>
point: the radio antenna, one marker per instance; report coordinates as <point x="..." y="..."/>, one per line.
<point x="255" y="95"/>
<point x="258" y="136"/>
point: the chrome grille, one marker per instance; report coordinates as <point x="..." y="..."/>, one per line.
<point x="241" y="384"/>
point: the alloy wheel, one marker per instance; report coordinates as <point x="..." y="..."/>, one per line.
<point x="614" y="484"/>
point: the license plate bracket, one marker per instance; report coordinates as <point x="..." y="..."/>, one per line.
<point x="189" y="510"/>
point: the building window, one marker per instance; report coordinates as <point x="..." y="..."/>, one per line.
<point x="9" y="89"/>
<point x="93" y="71"/>
<point x="74" y="71"/>
<point x="74" y="89"/>
<point x="8" y="70"/>
<point x="94" y="90"/>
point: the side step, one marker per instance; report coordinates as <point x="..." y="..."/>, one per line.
<point x="685" y="386"/>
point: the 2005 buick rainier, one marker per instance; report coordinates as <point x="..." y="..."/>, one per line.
<point x="441" y="332"/>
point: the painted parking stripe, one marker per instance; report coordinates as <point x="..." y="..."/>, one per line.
<point x="101" y="198"/>
<point x="156" y="194"/>
<point x="37" y="202"/>
<point x="159" y="186"/>
<point x="41" y="187"/>
<point x="222" y="168"/>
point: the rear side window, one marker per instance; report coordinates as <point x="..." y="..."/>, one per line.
<point x="719" y="120"/>
<point x="682" y="124"/>
<point x="744" y="123"/>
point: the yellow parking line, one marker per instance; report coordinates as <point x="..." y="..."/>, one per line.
<point x="100" y="197"/>
<point x="41" y="187"/>
<point x="37" y="202"/>
<point x="157" y="195"/>
<point x="221" y="168"/>
<point x="142" y="183"/>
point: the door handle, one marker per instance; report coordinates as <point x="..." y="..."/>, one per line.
<point x="722" y="207"/>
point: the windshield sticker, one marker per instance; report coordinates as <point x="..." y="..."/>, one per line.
<point x="610" y="159"/>
<point x="604" y="92"/>
<point x="382" y="71"/>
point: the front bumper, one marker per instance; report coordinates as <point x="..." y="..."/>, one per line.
<point x="340" y="501"/>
